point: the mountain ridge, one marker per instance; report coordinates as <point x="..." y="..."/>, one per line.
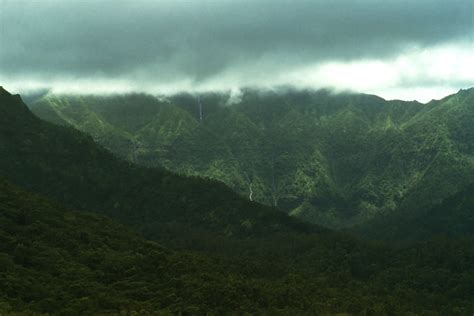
<point x="245" y="257"/>
<point x="364" y="155"/>
<point x="68" y="166"/>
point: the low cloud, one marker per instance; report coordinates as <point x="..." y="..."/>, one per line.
<point x="395" y="48"/>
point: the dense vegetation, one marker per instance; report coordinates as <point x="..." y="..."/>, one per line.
<point x="453" y="217"/>
<point x="54" y="260"/>
<point x="228" y="254"/>
<point x="66" y="165"/>
<point x="62" y="262"/>
<point x="337" y="160"/>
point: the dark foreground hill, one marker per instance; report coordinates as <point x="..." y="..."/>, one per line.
<point x="332" y="159"/>
<point x="54" y="260"/>
<point x="253" y="258"/>
<point x="453" y="217"/>
<point x="60" y="262"/>
<point x="68" y="166"/>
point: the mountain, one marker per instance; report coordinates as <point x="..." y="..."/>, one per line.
<point x="454" y="216"/>
<point x="61" y="262"/>
<point x="56" y="261"/>
<point x="338" y="160"/>
<point x="66" y="165"/>
<point x="245" y="257"/>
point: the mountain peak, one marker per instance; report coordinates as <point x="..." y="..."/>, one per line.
<point x="469" y="90"/>
<point x="4" y="92"/>
<point x="12" y="108"/>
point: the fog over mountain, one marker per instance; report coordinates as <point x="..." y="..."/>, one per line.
<point x="397" y="49"/>
<point x="237" y="157"/>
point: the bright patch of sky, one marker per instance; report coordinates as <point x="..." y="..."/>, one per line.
<point x="397" y="49"/>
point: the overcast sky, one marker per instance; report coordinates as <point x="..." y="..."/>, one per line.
<point x="406" y="49"/>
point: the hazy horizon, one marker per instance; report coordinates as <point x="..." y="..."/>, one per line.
<point x="395" y="49"/>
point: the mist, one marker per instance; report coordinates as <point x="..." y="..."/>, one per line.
<point x="397" y="49"/>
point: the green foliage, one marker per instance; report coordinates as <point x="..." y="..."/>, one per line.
<point x="58" y="261"/>
<point x="337" y="160"/>
<point x="66" y="165"/>
<point x="245" y="257"/>
<point x="54" y="260"/>
<point x="454" y="216"/>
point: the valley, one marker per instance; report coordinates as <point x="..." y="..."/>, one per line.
<point x="337" y="160"/>
<point x="208" y="249"/>
<point x="253" y="157"/>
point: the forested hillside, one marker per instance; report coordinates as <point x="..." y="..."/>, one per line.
<point x="245" y="256"/>
<point x="453" y="217"/>
<point x="57" y="261"/>
<point x="334" y="159"/>
<point x="68" y="166"/>
<point x="224" y="157"/>
<point x="61" y="262"/>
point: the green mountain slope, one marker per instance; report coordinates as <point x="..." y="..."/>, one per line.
<point x="68" y="166"/>
<point x="454" y="216"/>
<point x="61" y="262"/>
<point x="54" y="260"/>
<point x="337" y="160"/>
<point x="262" y="261"/>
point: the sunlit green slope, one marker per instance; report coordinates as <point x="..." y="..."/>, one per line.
<point x="336" y="160"/>
<point x="247" y="257"/>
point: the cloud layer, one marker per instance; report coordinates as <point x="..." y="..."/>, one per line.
<point x="392" y="47"/>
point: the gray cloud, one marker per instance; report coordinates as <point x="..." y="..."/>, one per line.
<point x="176" y="40"/>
